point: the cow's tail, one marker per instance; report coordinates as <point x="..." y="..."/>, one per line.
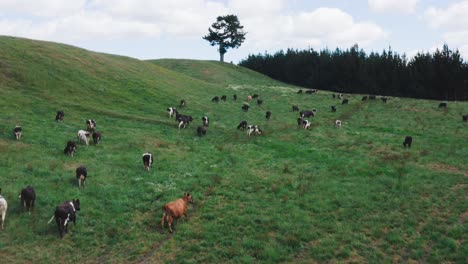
<point x="52" y="218"/>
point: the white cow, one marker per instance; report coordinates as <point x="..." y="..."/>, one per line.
<point x="3" y="208"/>
<point x="337" y="123"/>
<point x="83" y="136"/>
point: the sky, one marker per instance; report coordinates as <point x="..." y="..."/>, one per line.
<point x="153" y="29"/>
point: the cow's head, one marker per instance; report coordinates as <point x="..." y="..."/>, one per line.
<point x="188" y="197"/>
<point x="76" y="204"/>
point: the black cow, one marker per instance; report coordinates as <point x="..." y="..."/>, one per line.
<point x="333" y="108"/>
<point x="364" y="98"/>
<point x="268" y="115"/>
<point x="443" y="105"/>
<point x="234" y="97"/>
<point x="245" y="107"/>
<point x="255" y="96"/>
<point x="17" y="132"/>
<point x="96" y="137"/>
<point x="91" y="124"/>
<point x="465" y="118"/>
<point x="201" y="131"/>
<point x="182" y="103"/>
<point x="183" y="120"/>
<point x="306" y="114"/>
<point x="64" y="214"/>
<point x="384" y="99"/>
<point x="408" y="141"/>
<point x="299" y="121"/>
<point x="223" y="98"/>
<point x="334" y="96"/>
<point x="70" y="149"/>
<point x="345" y="101"/>
<point x="259" y="102"/>
<point x="59" y="116"/>
<point x="372" y="97"/>
<point x="205" y="121"/>
<point x="300" y="91"/>
<point x="147" y="160"/>
<point x="295" y="108"/>
<point x="242" y="125"/>
<point x="28" y="197"/>
<point x="81" y="174"/>
<point x="215" y="99"/>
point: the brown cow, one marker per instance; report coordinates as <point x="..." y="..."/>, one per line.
<point x="174" y="210"/>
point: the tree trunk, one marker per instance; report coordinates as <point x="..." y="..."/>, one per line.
<point x="221" y="57"/>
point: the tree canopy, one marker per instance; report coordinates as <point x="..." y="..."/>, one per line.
<point x="226" y="32"/>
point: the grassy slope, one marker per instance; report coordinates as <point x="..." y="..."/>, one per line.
<point x="344" y="195"/>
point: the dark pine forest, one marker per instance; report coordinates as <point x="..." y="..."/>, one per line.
<point x="442" y="75"/>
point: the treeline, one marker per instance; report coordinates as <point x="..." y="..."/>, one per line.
<point x="442" y="75"/>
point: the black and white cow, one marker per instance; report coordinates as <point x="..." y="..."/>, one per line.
<point x="268" y="115"/>
<point x="223" y="98"/>
<point x="64" y="214"/>
<point x="182" y="103"/>
<point x="295" y="108"/>
<point x="333" y="108"/>
<point x="96" y="137"/>
<point x="306" y="113"/>
<point x="465" y="118"/>
<point x="245" y="107"/>
<point x="340" y="96"/>
<point x="338" y="123"/>
<point x="18" y="132"/>
<point x="345" y="101"/>
<point x="443" y="105"/>
<point x="28" y="197"/>
<point x="183" y="120"/>
<point x="83" y="136"/>
<point x="172" y="112"/>
<point x="384" y="99"/>
<point x="201" y="131"/>
<point x="70" y="149"/>
<point x="215" y="99"/>
<point x="91" y="124"/>
<point x="3" y="208"/>
<point x="242" y="125"/>
<point x="306" y="124"/>
<point x="234" y="97"/>
<point x="147" y="160"/>
<point x="59" y="116"/>
<point x="205" y="121"/>
<point x="253" y="129"/>
<point x="81" y="174"/>
<point x="408" y="141"/>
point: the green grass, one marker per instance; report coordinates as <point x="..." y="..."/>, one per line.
<point x="324" y="195"/>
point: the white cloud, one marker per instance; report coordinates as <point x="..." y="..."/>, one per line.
<point x="395" y="6"/>
<point x="43" y="8"/>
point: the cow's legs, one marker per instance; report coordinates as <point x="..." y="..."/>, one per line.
<point x="169" y="222"/>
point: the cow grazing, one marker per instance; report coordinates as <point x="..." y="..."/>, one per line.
<point x="372" y="97"/>
<point x="234" y="97"/>
<point x="215" y="99"/>
<point x="443" y="105"/>
<point x="205" y="121"/>
<point x="465" y="118"/>
<point x="96" y="137"/>
<point x="18" y="132"/>
<point x="147" y="160"/>
<point x="268" y="115"/>
<point x="300" y="91"/>
<point x="172" y="111"/>
<point x="259" y="102"/>
<point x="408" y="141"/>
<point x="64" y="214"/>
<point x="223" y="98"/>
<point x="182" y="103"/>
<point x="3" y="208"/>
<point x="201" y="131"/>
<point x="340" y="96"/>
<point x="242" y="125"/>
<point x="306" y="113"/>
<point x="83" y="136"/>
<point x="364" y="98"/>
<point x="345" y="101"/>
<point x="249" y="98"/>
<point x="337" y="123"/>
<point x="183" y="120"/>
<point x="255" y="96"/>
<point x="91" y="124"/>
<point x="333" y="108"/>
<point x="295" y="108"/>
<point x="175" y="210"/>
<point x="81" y="174"/>
<point x="28" y="197"/>
<point x="59" y="116"/>
<point x="253" y="129"/>
<point x="70" y="149"/>
<point x="306" y="124"/>
<point x="384" y="99"/>
<point x="245" y="107"/>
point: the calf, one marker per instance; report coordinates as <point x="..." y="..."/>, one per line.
<point x="3" y="208"/>
<point x="333" y="108"/>
<point x="306" y="124"/>
<point x="249" y="98"/>
<point x="201" y="131"/>
<point x="364" y="98"/>
<point x="205" y="121"/>
<point x="147" y="160"/>
<point x="259" y="102"/>
<point x="91" y="124"/>
<point x="64" y="214"/>
<point x="172" y="111"/>
<point x="300" y="91"/>
<point x="70" y="149"/>
<point x="384" y="99"/>
<point x="59" y="116"/>
<point x="253" y="129"/>
<point x="337" y="123"/>
<point x="81" y="174"/>
<point x="183" y="120"/>
<point x="443" y="105"/>
<point x="306" y="114"/>
<point x="295" y="108"/>
<point x="96" y="137"/>
<point x="345" y="101"/>
<point x="408" y="141"/>
<point x="18" y="132"/>
<point x="268" y="115"/>
<point x="223" y="98"/>
<point x="28" y="197"/>
<point x="245" y="107"/>
<point x="215" y="99"/>
<point x="465" y="118"/>
<point x="242" y="125"/>
<point x="182" y="103"/>
<point x="175" y="210"/>
<point x="234" y="97"/>
<point x="83" y="136"/>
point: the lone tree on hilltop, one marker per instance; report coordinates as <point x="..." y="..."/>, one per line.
<point x="226" y="32"/>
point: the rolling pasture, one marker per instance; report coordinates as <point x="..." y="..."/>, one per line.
<point x="347" y="195"/>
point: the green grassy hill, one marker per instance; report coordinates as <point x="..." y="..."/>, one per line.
<point x="348" y="195"/>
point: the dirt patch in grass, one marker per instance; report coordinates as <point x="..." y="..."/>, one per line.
<point x="463" y="217"/>
<point x="71" y="166"/>
<point x="440" y="167"/>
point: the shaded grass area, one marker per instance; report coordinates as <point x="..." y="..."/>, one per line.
<point x="323" y="195"/>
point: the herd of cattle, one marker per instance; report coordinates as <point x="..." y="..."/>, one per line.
<point x="66" y="212"/>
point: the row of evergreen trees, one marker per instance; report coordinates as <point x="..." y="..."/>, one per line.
<point x="442" y="75"/>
